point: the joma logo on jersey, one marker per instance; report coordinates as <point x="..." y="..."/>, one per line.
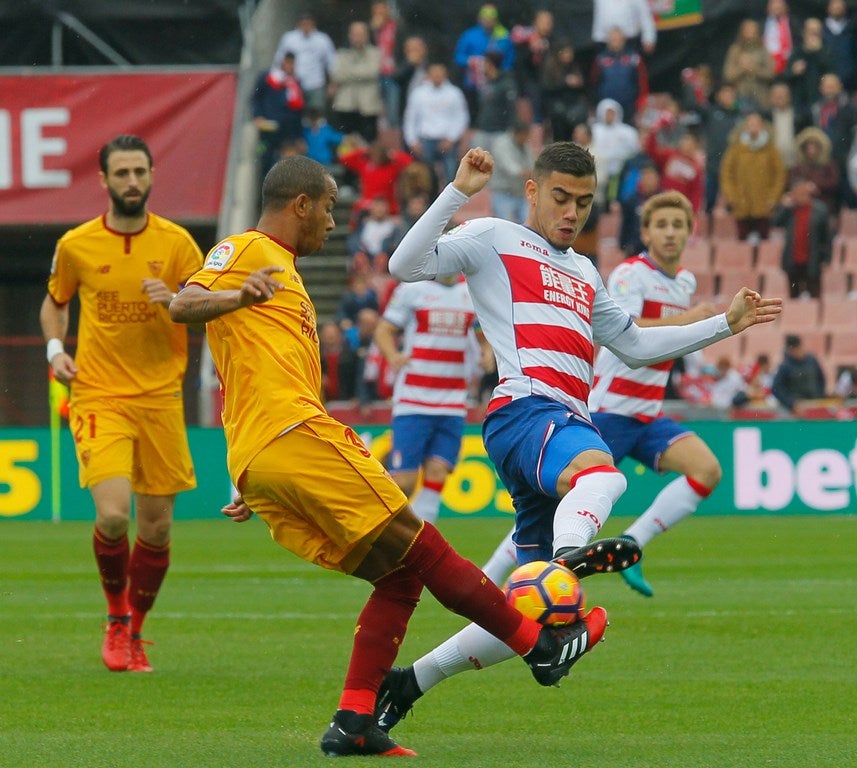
<point x="534" y="247"/>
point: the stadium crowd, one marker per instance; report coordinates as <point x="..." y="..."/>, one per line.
<point x="762" y="143"/>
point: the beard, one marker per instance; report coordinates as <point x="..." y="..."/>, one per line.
<point x="129" y="208"/>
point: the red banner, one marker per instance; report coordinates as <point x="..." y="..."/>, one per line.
<point x="53" y="126"/>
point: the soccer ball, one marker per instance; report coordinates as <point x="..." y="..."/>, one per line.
<point x="546" y="592"/>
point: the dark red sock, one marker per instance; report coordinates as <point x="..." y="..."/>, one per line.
<point x="111" y="556"/>
<point x="460" y="586"/>
<point x="380" y="631"/>
<point x="146" y="571"/>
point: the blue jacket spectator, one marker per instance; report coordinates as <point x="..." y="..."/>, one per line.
<point x="322" y="140"/>
<point x="488" y="35"/>
<point x="799" y="376"/>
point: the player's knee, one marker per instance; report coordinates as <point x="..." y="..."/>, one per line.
<point x="708" y="475"/>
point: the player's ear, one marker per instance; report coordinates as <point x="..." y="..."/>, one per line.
<point x="302" y="203"/>
<point x="102" y="178"/>
<point x="530" y="189"/>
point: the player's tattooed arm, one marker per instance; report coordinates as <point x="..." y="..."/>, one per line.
<point x="195" y="304"/>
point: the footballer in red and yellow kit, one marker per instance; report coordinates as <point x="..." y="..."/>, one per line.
<point x="277" y="430"/>
<point x="130" y="356"/>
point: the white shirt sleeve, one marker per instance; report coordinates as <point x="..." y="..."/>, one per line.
<point x="637" y="346"/>
<point x="417" y="256"/>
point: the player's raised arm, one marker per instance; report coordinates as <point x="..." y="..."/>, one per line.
<point x="195" y="304"/>
<point x="416" y="256"/>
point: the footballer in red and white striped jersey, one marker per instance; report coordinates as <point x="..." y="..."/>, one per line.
<point x="641" y="287"/>
<point x="437" y="320"/>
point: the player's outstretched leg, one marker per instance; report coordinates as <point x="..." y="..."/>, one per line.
<point x="601" y="556"/>
<point x="633" y="576"/>
<point x="353" y="734"/>
<point x="558" y="648"/>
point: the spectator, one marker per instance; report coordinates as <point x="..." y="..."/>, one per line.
<point x="648" y="183"/>
<point x="488" y="34"/>
<point x="719" y="120"/>
<point x="846" y="383"/>
<point x="681" y="169"/>
<point x="359" y="294"/>
<point x="815" y="165"/>
<point x="498" y="96"/>
<point x="728" y="387"/>
<point x="806" y="221"/>
<point x="760" y="380"/>
<point x="278" y="105"/>
<point x="564" y="91"/>
<point x="808" y="62"/>
<point x="356" y="84"/>
<point x="436" y="118"/>
<point x="322" y="140"/>
<point x="366" y="373"/>
<point x="613" y="142"/>
<point x="378" y="169"/>
<point x="786" y="121"/>
<point x="412" y="71"/>
<point x="620" y="73"/>
<point x="752" y="178"/>
<point x="633" y="17"/>
<point x="836" y="116"/>
<point x="338" y="363"/>
<point x="374" y="234"/>
<point x="513" y="165"/>
<point x="779" y="34"/>
<point x="532" y="47"/>
<point x="749" y="67"/>
<point x="839" y="40"/>
<point x="697" y="91"/>
<point x="385" y="29"/>
<point x="799" y="376"/>
<point x="314" y="59"/>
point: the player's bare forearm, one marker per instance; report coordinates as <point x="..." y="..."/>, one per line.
<point x="194" y="304"/>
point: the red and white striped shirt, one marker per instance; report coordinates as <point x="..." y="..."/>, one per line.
<point x="644" y="290"/>
<point x="541" y="309"/>
<point x="437" y="322"/>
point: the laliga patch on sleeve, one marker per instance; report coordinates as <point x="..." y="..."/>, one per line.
<point x="220" y="256"/>
<point x="621" y="287"/>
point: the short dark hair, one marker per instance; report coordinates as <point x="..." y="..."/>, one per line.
<point x="127" y="142"/>
<point x="290" y="177"/>
<point x="564" y="157"/>
<point x="792" y="341"/>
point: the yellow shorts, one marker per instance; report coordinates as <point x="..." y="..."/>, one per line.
<point x="118" y="438"/>
<point x="322" y="494"/>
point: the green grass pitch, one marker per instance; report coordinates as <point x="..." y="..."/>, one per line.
<point x="744" y="657"/>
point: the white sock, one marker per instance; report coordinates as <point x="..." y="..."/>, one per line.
<point x="582" y="512"/>
<point x="674" y="503"/>
<point x="426" y="504"/>
<point x="505" y="558"/>
<point x="471" y="648"/>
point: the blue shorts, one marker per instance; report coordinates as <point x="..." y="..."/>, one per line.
<point x="420" y="437"/>
<point x="531" y="441"/>
<point x="642" y="441"/>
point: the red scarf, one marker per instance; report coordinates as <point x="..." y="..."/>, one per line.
<point x="279" y="80"/>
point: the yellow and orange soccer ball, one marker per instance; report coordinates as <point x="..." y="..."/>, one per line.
<point x="547" y="592"/>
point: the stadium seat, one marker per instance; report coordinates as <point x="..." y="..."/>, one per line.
<point x="770" y="253"/>
<point x="799" y="315"/>
<point x="729" y="283"/>
<point x="722" y="224"/>
<point x="848" y="222"/>
<point x="704" y="287"/>
<point x="728" y="254"/>
<point x="836" y="282"/>
<point x="773" y="282"/>
<point x="767" y="339"/>
<point x="848" y="257"/>
<point x="839" y="315"/>
<point x="843" y="346"/>
<point x="697" y="256"/>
